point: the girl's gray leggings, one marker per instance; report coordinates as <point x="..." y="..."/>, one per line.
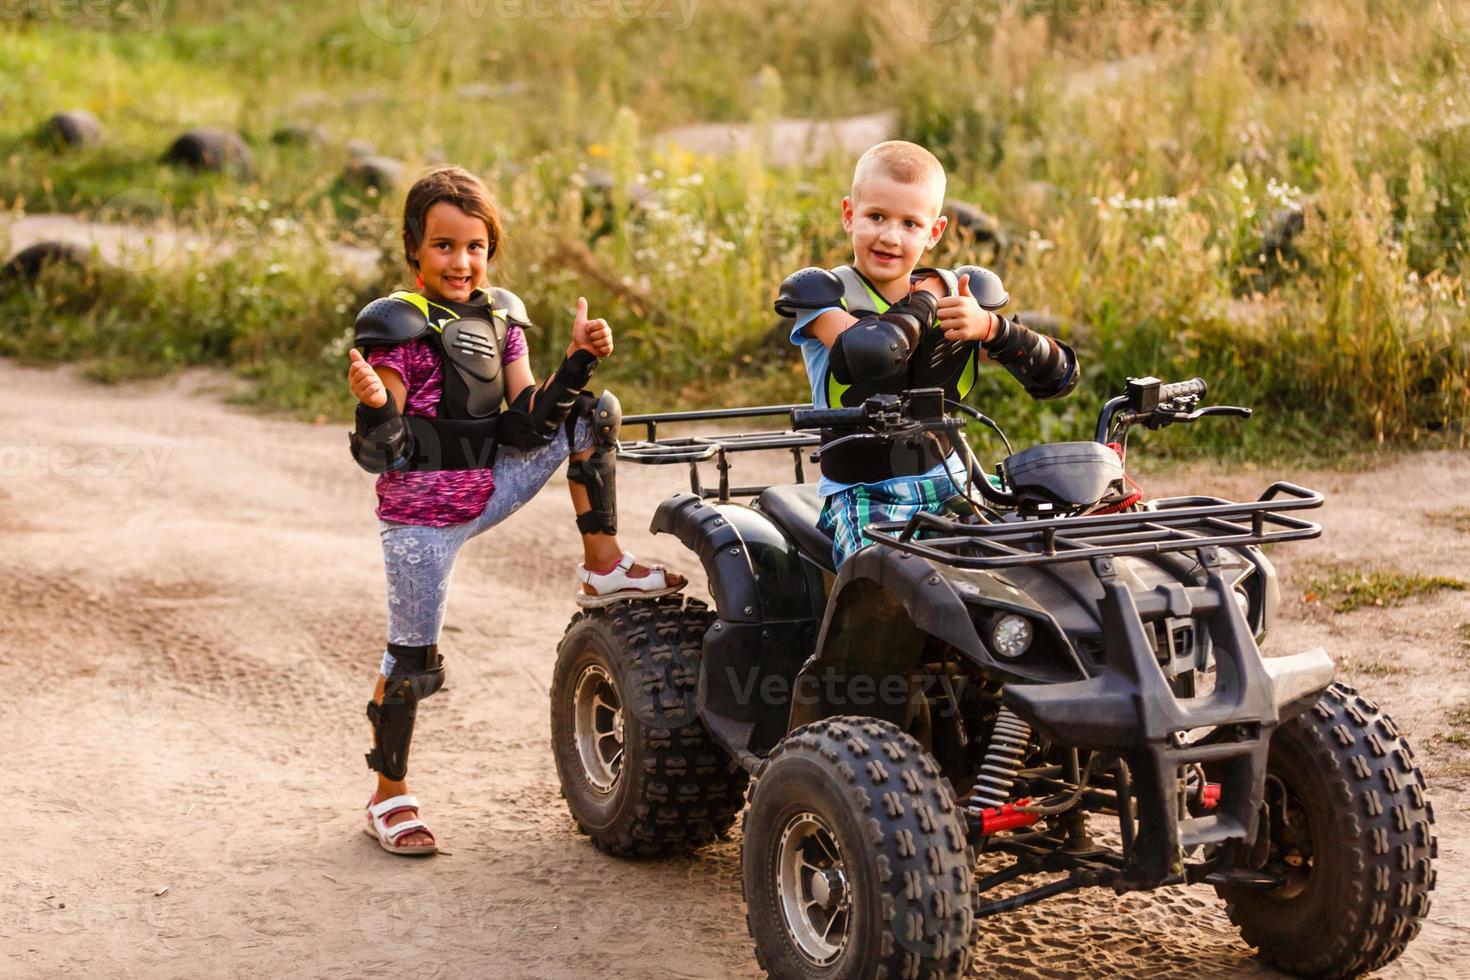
<point x="419" y="559"/>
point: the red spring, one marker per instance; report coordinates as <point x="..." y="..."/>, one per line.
<point x="1209" y="796"/>
<point x="1008" y="817"/>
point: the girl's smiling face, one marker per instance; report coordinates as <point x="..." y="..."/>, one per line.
<point x="891" y="223"/>
<point x="453" y="253"/>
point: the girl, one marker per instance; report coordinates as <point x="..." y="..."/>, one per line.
<point x="451" y="417"/>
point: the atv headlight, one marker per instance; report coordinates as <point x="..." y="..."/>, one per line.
<point x="1011" y="636"/>
<point x="1243" y="600"/>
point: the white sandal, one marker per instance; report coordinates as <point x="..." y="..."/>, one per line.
<point x="617" y="585"/>
<point x="388" y="837"/>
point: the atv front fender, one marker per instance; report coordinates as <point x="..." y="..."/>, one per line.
<point x="884" y="606"/>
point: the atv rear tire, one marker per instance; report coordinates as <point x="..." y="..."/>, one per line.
<point x="855" y="861"/>
<point x="1358" y="880"/>
<point x="639" y="772"/>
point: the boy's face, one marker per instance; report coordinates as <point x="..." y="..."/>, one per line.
<point x="452" y="254"/>
<point x="891" y="224"/>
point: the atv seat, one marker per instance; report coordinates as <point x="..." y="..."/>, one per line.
<point x="795" y="508"/>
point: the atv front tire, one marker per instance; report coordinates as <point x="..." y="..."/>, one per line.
<point x="1356" y="842"/>
<point x="639" y="772"/>
<point x="855" y="862"/>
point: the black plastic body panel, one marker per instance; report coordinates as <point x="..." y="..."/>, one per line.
<point x="768" y="600"/>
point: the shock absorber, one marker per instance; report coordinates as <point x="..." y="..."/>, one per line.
<point x="1004" y="757"/>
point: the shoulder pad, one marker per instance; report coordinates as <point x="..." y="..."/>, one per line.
<point x="809" y="289"/>
<point x="985" y="286"/>
<point x="507" y="302"/>
<point x="393" y="319"/>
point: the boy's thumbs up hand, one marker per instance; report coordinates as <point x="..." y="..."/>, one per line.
<point x="364" y="381"/>
<point x="962" y="318"/>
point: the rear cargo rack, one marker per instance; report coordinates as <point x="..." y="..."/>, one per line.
<point x="653" y="451"/>
<point x="1175" y="524"/>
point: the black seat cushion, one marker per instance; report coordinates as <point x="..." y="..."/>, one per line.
<point x="795" y="508"/>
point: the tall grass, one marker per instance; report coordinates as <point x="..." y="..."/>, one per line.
<point x="1272" y="196"/>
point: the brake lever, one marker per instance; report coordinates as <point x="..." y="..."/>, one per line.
<point x="1232" y="411"/>
<point x="817" y="453"/>
<point x="1161" y="418"/>
<point x="887" y="433"/>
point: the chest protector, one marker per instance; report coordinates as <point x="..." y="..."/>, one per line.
<point x="935" y="362"/>
<point x="468" y="337"/>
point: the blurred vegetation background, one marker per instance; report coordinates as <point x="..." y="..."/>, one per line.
<point x="1271" y="194"/>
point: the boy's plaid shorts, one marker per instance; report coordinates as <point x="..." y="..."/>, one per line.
<point x="847" y="512"/>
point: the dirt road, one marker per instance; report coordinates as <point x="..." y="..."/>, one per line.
<point x="190" y="619"/>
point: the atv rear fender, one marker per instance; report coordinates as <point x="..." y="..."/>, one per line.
<point x="769" y="600"/>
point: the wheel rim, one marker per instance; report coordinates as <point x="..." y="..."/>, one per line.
<point x="598" y="714"/>
<point x="1291" y="838"/>
<point x="816" y="901"/>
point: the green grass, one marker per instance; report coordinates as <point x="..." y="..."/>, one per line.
<point x="1344" y="588"/>
<point x="1136" y="205"/>
<point x="1459" y="722"/>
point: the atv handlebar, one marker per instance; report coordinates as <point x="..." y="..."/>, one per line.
<point x="1150" y="402"/>
<point x="1195" y="387"/>
<point x="828" y="418"/>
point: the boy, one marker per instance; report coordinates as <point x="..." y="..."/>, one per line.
<point x="881" y="325"/>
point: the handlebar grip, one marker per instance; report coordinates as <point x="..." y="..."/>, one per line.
<point x="1181" y="389"/>
<point x="828" y="418"/>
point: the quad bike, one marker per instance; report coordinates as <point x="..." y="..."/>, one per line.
<point x="1060" y="674"/>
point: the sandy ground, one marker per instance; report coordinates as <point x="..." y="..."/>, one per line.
<point x="190" y="622"/>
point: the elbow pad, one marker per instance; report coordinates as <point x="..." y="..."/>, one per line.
<point x="1046" y="367"/>
<point x="386" y="441"/>
<point x="381" y="441"/>
<point x="536" y="414"/>
<point x="879" y="346"/>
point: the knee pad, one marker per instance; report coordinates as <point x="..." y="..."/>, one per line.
<point x="417" y="673"/>
<point x="597" y="473"/>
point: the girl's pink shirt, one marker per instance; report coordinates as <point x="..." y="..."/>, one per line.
<point x="435" y="498"/>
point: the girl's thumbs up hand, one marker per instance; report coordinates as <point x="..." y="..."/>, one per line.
<point x="364" y="381"/>
<point x="593" y="336"/>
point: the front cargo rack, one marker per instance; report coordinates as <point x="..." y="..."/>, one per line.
<point x="1173" y="524"/>
<point x="653" y="451"/>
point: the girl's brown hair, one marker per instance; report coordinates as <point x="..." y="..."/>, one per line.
<point x="462" y="189"/>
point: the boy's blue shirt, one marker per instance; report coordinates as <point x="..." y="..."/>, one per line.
<point x="817" y="355"/>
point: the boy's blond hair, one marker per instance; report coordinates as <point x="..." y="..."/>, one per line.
<point x="905" y="162"/>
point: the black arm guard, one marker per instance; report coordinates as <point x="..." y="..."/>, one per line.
<point x="536" y="413"/>
<point x="1046" y="367"/>
<point x="381" y="441"/>
<point x="386" y="441"/>
<point x="879" y="346"/>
